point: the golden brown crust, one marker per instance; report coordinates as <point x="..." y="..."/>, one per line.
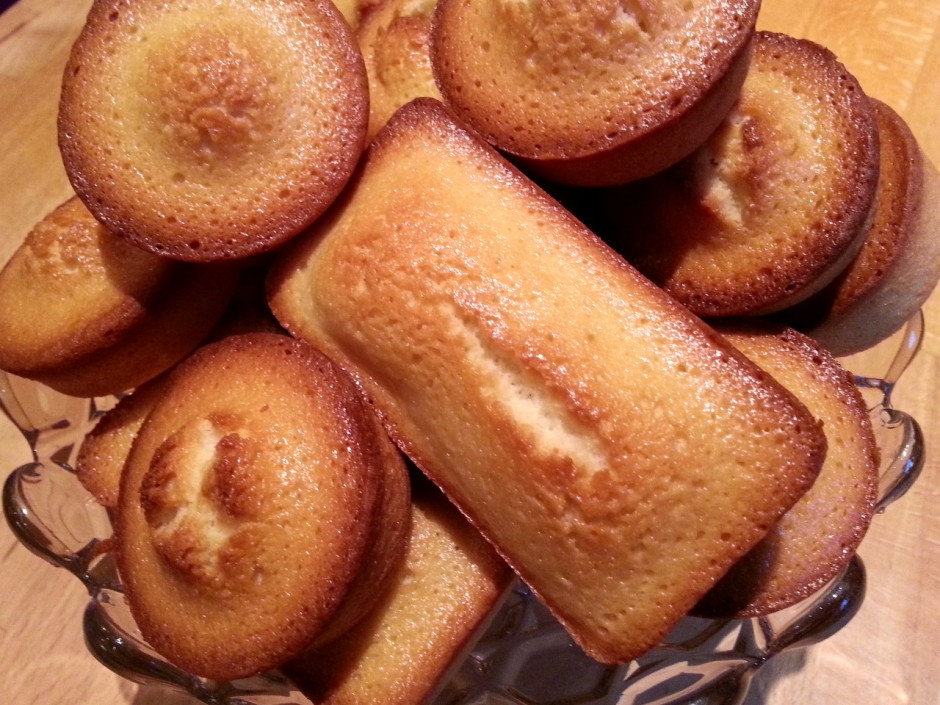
<point x="393" y="38"/>
<point x="70" y="288"/>
<point x="353" y="11"/>
<point x="88" y="314"/>
<point x="203" y="131"/>
<point x="103" y="452"/>
<point x="562" y="401"/>
<point x="448" y="584"/>
<point x="192" y="302"/>
<point x="251" y="497"/>
<point x="592" y="93"/>
<point x="899" y="263"/>
<point x="814" y="541"/>
<point x="774" y="205"/>
<point x="386" y="544"/>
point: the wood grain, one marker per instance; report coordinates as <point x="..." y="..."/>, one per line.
<point x="885" y="656"/>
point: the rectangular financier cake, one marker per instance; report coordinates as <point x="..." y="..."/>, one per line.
<point x="616" y="451"/>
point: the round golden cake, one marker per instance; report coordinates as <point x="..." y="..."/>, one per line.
<point x="592" y="93"/>
<point x="394" y="37"/>
<point x="204" y="130"/>
<point x="815" y="540"/>
<point x="774" y="205"/>
<point x="88" y="314"/>
<point x="260" y="507"/>
<point x="899" y="263"/>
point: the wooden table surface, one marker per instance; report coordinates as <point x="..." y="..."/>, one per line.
<point x="886" y="656"/>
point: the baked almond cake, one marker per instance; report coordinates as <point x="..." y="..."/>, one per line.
<point x="262" y="509"/>
<point x="899" y="263"/>
<point x="394" y="39"/>
<point x="203" y="130"/>
<point x="88" y="314"/>
<point x="817" y="538"/>
<point x="449" y="583"/>
<point x="617" y="452"/>
<point x="774" y="205"/>
<point x="592" y="93"/>
<point x="439" y="596"/>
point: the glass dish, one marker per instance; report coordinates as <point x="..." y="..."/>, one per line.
<point x="521" y="657"/>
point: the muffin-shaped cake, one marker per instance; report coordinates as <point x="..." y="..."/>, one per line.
<point x="899" y="263"/>
<point x="204" y="130"/>
<point x="88" y="314"/>
<point x="592" y="93"/>
<point x="261" y="510"/>
<point x="394" y="38"/>
<point x="815" y="540"/>
<point x="773" y="206"/>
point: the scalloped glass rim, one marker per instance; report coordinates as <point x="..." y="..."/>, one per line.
<point x="521" y="656"/>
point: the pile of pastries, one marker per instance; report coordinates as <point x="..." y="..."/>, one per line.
<point x="406" y="298"/>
